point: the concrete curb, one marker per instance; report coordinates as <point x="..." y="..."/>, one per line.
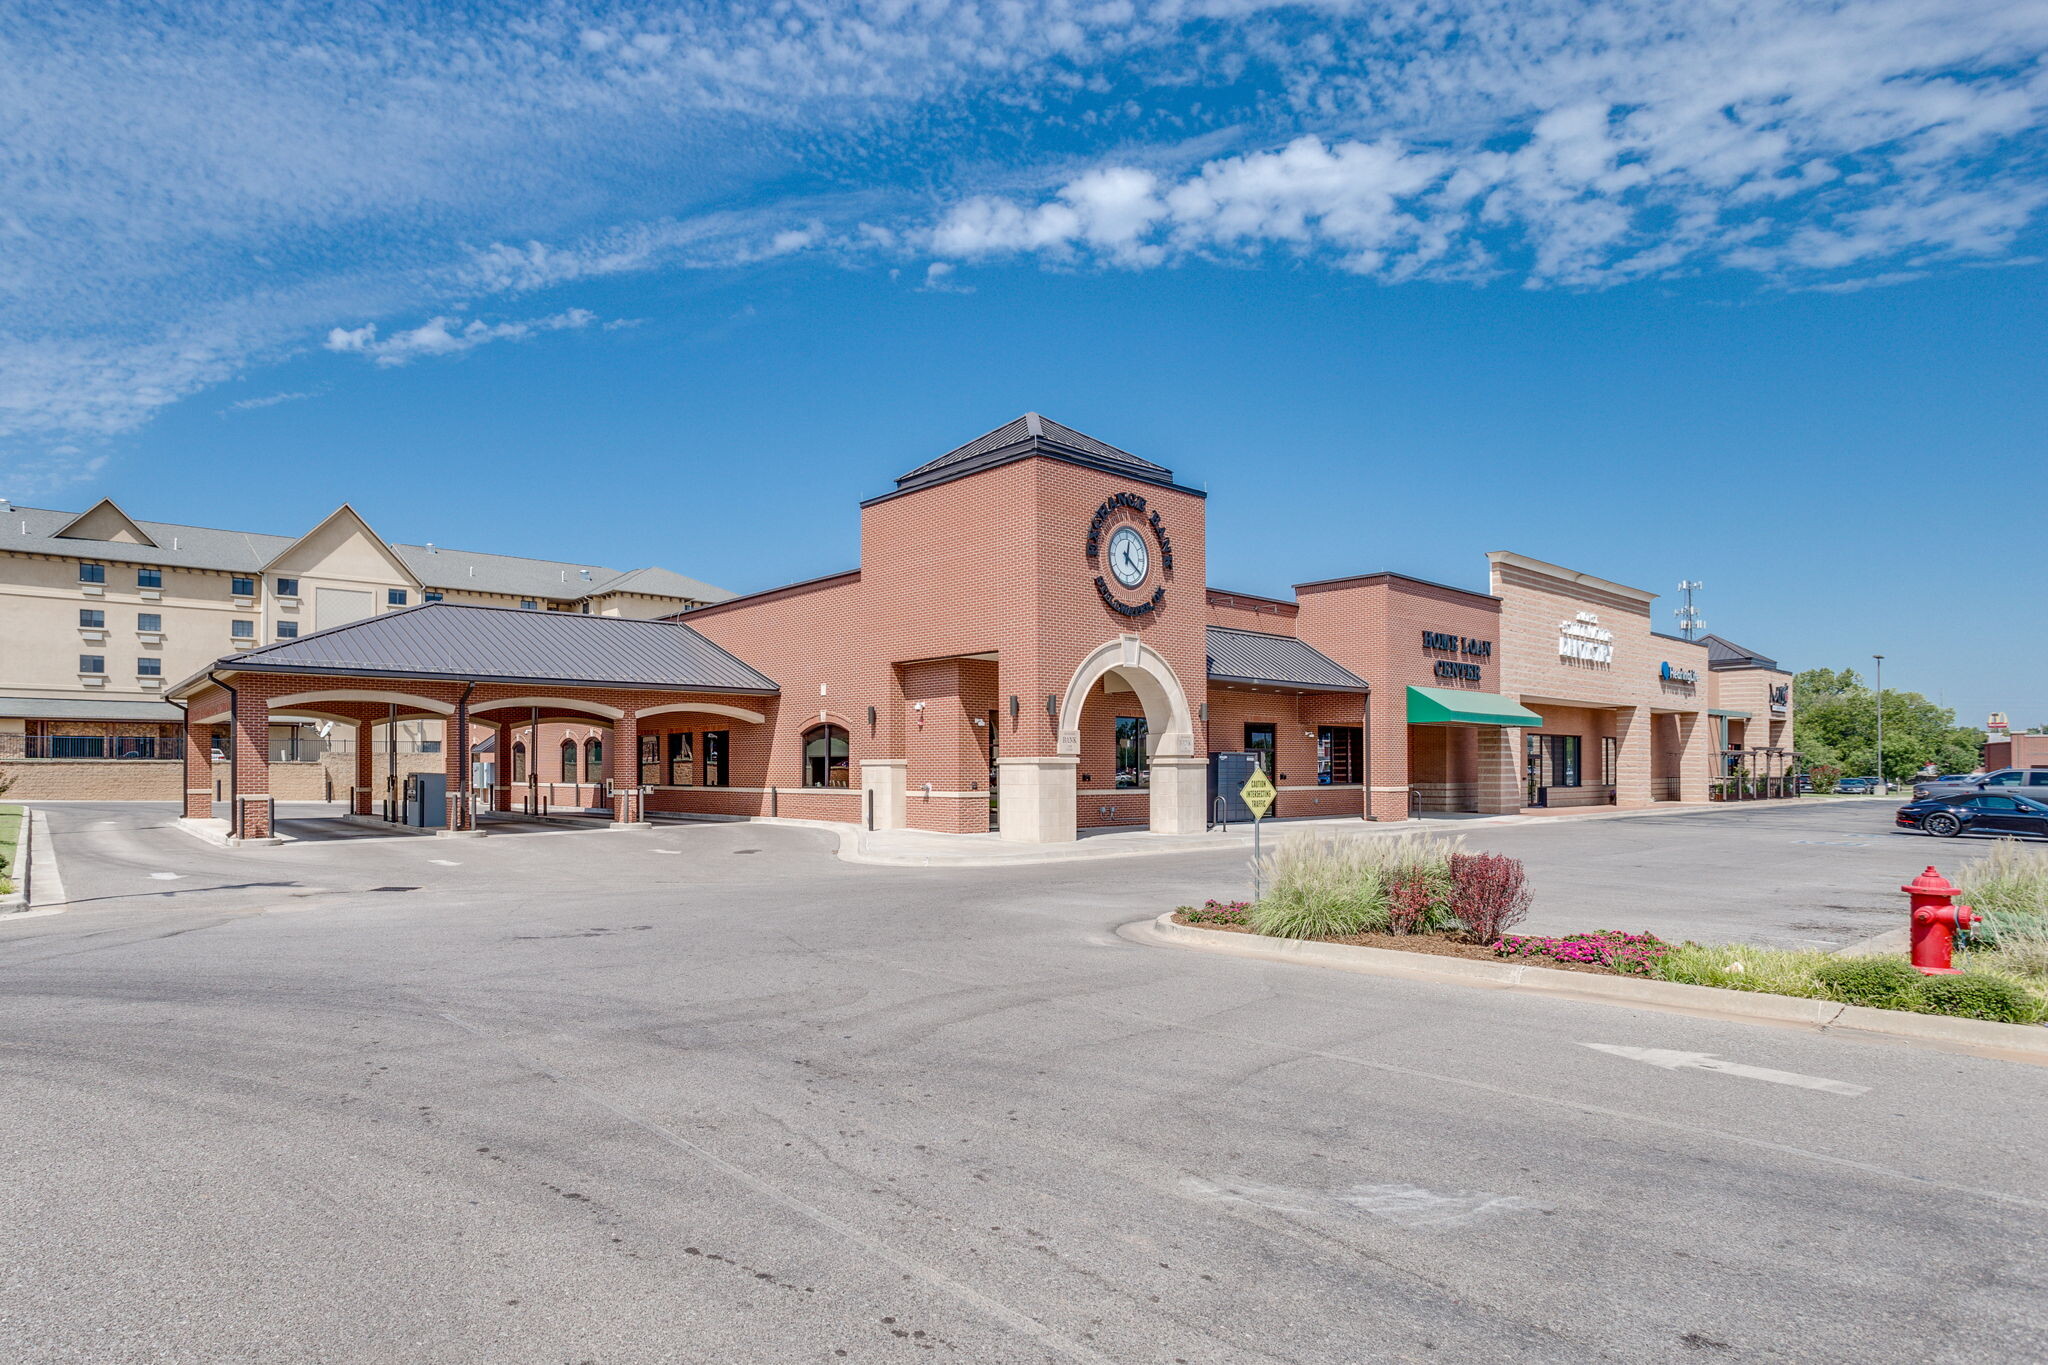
<point x="2009" y="1042"/>
<point x="23" y="872"/>
<point x="215" y="832"/>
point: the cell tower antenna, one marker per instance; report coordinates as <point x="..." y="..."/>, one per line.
<point x="1689" y="622"/>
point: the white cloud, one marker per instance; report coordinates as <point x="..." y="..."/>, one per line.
<point x="447" y="336"/>
<point x="267" y="401"/>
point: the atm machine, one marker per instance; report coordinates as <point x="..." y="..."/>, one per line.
<point x="426" y="801"/>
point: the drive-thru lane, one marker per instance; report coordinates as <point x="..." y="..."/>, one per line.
<point x="711" y="1094"/>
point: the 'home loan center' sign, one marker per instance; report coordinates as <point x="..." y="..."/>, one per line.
<point x="1583" y="637"/>
<point x="1457" y="644"/>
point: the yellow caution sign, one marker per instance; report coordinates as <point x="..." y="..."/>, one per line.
<point x="1258" y="793"/>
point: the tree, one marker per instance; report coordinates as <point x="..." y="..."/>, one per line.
<point x="1835" y="722"/>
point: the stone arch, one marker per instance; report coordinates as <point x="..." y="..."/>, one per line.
<point x="301" y="700"/>
<point x="595" y="708"/>
<point x="1168" y="716"/>
<point x="710" y="707"/>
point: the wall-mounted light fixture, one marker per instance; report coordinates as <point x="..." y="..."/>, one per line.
<point x="1052" y="704"/>
<point x="1013" y="706"/>
<point x="871" y="718"/>
<point x="1203" y="710"/>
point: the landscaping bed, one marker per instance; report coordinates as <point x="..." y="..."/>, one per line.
<point x="1421" y="893"/>
<point x="11" y="818"/>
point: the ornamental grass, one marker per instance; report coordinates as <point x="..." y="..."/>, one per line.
<point x="1319" y="885"/>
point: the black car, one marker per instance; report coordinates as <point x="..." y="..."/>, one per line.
<point x="1980" y="813"/>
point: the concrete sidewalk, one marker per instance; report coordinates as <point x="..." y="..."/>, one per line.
<point x="921" y="848"/>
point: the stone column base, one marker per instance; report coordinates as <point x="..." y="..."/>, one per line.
<point x="1038" y="796"/>
<point x="1180" y="794"/>
<point x="884" y="783"/>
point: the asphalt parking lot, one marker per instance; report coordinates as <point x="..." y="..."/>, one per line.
<point x="708" y="1093"/>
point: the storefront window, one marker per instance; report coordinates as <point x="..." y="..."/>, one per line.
<point x="1610" y="760"/>
<point x="1338" y="750"/>
<point x="1133" y="767"/>
<point x="1264" y="740"/>
<point x="717" y="749"/>
<point x="650" y="760"/>
<point x="825" y="757"/>
<point x="682" y="761"/>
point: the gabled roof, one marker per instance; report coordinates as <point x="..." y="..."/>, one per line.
<point x="658" y="582"/>
<point x="1262" y="660"/>
<point x="104" y="520"/>
<point x="504" y="644"/>
<point x="34" y="530"/>
<point x="1725" y="653"/>
<point x="1030" y="435"/>
<point x="346" y="516"/>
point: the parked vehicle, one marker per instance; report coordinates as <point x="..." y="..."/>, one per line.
<point x="2030" y="782"/>
<point x="1975" y="813"/>
<point x="1855" y="786"/>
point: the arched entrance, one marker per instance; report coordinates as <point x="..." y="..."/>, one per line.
<point x="1041" y="795"/>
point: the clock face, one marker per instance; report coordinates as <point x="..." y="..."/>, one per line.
<point x="1129" y="556"/>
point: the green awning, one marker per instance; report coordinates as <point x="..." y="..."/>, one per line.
<point x="1435" y="705"/>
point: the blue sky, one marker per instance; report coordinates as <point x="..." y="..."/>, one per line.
<point x="1743" y="292"/>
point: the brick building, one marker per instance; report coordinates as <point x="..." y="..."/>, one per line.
<point x="1030" y="644"/>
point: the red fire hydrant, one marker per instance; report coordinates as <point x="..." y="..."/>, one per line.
<point x="1936" y="918"/>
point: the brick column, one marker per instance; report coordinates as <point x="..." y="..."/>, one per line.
<point x="362" y="799"/>
<point x="455" y="767"/>
<point x="623" y="763"/>
<point x="1695" y="755"/>
<point x="198" y="771"/>
<point x="1634" y="737"/>
<point x="252" y="762"/>
<point x="501" y="794"/>
<point x="1500" y="770"/>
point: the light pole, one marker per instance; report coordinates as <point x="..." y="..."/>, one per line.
<point x="1882" y="788"/>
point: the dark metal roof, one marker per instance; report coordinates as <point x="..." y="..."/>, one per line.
<point x="1250" y="656"/>
<point x="87" y="708"/>
<point x="500" y="644"/>
<point x="1032" y="434"/>
<point x="1725" y="653"/>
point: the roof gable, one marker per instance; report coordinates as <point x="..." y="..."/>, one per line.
<point x="104" y="520"/>
<point x="343" y="546"/>
<point x="504" y="644"/>
<point x="1723" y="652"/>
<point x="1031" y="435"/>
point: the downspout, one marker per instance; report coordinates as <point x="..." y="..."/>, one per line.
<point x="1368" y="753"/>
<point x="234" y="749"/>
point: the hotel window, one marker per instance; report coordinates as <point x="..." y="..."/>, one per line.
<point x="1338" y="750"/>
<point x="717" y="747"/>
<point x="1133" y="765"/>
<point x="519" y="763"/>
<point x="92" y="573"/>
<point x="395" y="597"/>
<point x="242" y="587"/>
<point x="430" y="746"/>
<point x="149" y="668"/>
<point x="430" y="597"/>
<point x="92" y="663"/>
<point x="568" y="760"/>
<point x="287" y="630"/>
<point x="89" y="619"/>
<point x="528" y="604"/>
<point x="593" y="759"/>
<point x="287" y="587"/>
<point x="149" y="578"/>
<point x="243" y="630"/>
<point x="148" y="620"/>
<point x="825" y="757"/>
<point x="682" y="762"/>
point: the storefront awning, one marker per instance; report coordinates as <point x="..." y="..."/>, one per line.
<point x="1436" y="705"/>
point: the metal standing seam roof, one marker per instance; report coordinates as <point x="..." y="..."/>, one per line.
<point x="1249" y="656"/>
<point x="504" y="644"/>
<point x="87" y="708"/>
<point x="1723" y="652"/>
<point x="1033" y="434"/>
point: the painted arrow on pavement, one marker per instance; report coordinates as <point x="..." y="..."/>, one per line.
<point x="1672" y="1060"/>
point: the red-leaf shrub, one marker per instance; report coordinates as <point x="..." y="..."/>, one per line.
<point x="1488" y="894"/>
<point x="1410" y="893"/>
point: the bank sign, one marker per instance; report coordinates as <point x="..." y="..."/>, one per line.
<point x="1584" y="638"/>
<point x="1677" y="675"/>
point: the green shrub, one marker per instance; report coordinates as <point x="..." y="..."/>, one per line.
<point x="1745" y="967"/>
<point x="1885" y="983"/>
<point x="1974" y="995"/>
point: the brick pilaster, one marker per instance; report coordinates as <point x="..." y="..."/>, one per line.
<point x="1500" y="770"/>
<point x="501" y="794"/>
<point x="198" y="771"/>
<point x="362" y="800"/>
<point x="252" y="763"/>
<point x="1634" y="737"/>
<point x="455" y="766"/>
<point x="622" y="763"/>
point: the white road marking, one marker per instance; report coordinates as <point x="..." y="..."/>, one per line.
<point x="668" y="850"/>
<point x="1409" y="1206"/>
<point x="443" y="862"/>
<point x="1672" y="1060"/>
<point x="165" y="876"/>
